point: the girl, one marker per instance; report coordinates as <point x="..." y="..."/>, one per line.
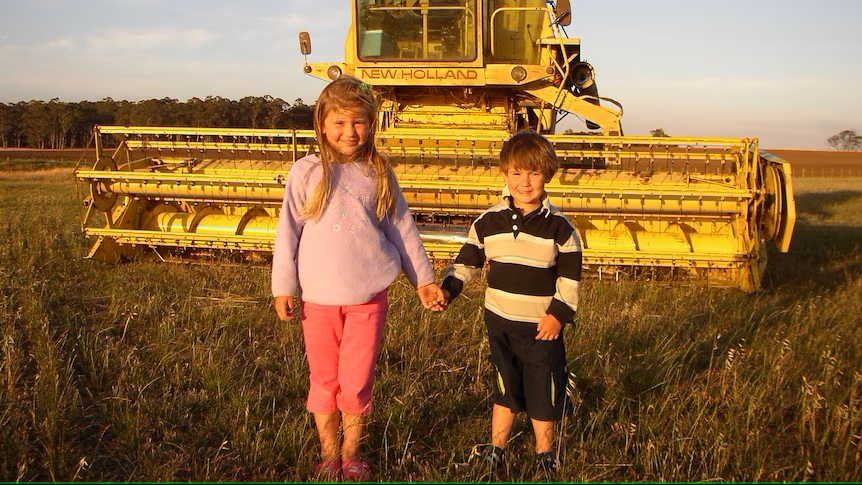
<point x="344" y="234"/>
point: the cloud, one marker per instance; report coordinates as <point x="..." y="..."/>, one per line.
<point x="62" y="43"/>
<point x="335" y="22"/>
<point x="293" y="21"/>
<point x="148" y="40"/>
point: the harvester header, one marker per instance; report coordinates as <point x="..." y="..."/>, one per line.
<point x="456" y="79"/>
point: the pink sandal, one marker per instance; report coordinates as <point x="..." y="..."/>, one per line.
<point x="355" y="470"/>
<point x="328" y="470"/>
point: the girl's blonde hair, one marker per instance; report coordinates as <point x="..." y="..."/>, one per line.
<point x="349" y="92"/>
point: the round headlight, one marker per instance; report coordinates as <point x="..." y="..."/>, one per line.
<point x="333" y="72"/>
<point x="583" y="75"/>
<point x="519" y="73"/>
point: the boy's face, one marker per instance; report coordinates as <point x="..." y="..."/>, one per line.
<point x="526" y="187"/>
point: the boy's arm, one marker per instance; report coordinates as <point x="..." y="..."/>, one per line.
<point x="569" y="264"/>
<point x="549" y="328"/>
<point x="468" y="264"/>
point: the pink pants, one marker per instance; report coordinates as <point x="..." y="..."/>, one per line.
<point x="341" y="343"/>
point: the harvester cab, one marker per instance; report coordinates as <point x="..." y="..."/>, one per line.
<point x="490" y="65"/>
<point x="456" y="79"/>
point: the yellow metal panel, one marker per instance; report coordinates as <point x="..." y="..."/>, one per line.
<point x="693" y="206"/>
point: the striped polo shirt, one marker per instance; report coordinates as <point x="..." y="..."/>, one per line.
<point x="534" y="262"/>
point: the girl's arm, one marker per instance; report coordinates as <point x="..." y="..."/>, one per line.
<point x="432" y="297"/>
<point x="401" y="231"/>
<point x="284" y="307"/>
<point x="287" y="233"/>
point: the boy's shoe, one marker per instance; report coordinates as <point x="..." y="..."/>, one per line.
<point x="491" y="455"/>
<point x="356" y="470"/>
<point x="546" y="463"/>
<point x="328" y="470"/>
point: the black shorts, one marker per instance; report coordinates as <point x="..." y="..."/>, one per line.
<point x="529" y="375"/>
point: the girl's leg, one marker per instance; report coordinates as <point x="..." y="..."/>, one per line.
<point x="502" y="419"/>
<point x="363" y="332"/>
<point x="353" y="428"/>
<point x="353" y="467"/>
<point x="322" y="331"/>
<point x="327" y="431"/>
<point x="544" y="431"/>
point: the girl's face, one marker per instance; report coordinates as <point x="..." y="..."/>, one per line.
<point x="346" y="130"/>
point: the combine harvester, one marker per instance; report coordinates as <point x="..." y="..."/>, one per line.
<point x="457" y="78"/>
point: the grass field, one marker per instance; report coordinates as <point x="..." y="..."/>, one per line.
<point x="168" y="372"/>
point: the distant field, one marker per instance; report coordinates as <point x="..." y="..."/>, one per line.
<point x="68" y="157"/>
<point x="826" y="184"/>
<point x="822" y="163"/>
<point x="69" y="154"/>
<point x="804" y="163"/>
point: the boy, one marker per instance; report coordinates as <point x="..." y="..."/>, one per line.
<point x="534" y="273"/>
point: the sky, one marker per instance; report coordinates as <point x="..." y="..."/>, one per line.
<point x="785" y="71"/>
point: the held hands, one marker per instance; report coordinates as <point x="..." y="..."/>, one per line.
<point x="548" y="328"/>
<point x="432" y="297"/>
<point x="284" y="307"/>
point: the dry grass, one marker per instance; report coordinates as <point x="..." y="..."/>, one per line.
<point x="161" y="372"/>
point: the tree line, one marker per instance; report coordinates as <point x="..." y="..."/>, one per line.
<point x="56" y="124"/>
<point x="845" y="141"/>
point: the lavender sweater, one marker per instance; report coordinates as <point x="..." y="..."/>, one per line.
<point x="348" y="255"/>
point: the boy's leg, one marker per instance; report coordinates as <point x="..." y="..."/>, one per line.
<point x="544" y="431"/>
<point x="492" y="454"/>
<point x="545" y="380"/>
<point x="502" y="419"/>
<point x="547" y="459"/>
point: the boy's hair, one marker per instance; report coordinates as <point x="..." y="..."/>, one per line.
<point x="529" y="150"/>
<point x="349" y="92"/>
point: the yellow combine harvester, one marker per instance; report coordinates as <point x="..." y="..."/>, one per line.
<point x="457" y="78"/>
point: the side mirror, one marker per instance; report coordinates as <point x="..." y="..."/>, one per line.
<point x="304" y="43"/>
<point x="563" y="13"/>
